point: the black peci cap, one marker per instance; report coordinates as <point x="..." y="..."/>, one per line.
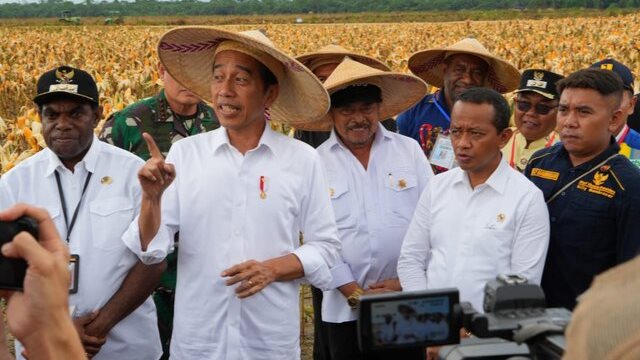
<point x="66" y="81"/>
<point x="542" y="82"/>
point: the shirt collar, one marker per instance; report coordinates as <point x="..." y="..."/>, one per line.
<point x="497" y="180"/>
<point x="89" y="161"/>
<point x="269" y="139"/>
<point x="439" y="97"/>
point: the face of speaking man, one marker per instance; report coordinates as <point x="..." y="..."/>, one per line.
<point x="476" y="140"/>
<point x="238" y="91"/>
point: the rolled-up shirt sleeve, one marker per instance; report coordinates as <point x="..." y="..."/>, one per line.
<point x="412" y="264"/>
<point x="341" y="274"/>
<point x="163" y="243"/>
<point x="321" y="246"/>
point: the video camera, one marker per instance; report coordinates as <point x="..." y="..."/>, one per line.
<point x="515" y="322"/>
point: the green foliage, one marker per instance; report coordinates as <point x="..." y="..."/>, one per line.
<point x="92" y="8"/>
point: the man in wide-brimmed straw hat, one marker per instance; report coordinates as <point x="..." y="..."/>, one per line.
<point x="322" y="63"/>
<point x="241" y="197"/>
<point x="452" y="69"/>
<point x="375" y="179"/>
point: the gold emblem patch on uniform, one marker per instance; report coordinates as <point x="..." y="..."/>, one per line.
<point x="501" y="217"/>
<point x="545" y="174"/>
<point x="402" y="183"/>
<point x="106" y="180"/>
<point x="599" y="178"/>
<point x="596" y="189"/>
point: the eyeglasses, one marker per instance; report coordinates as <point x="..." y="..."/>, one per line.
<point x="540" y="109"/>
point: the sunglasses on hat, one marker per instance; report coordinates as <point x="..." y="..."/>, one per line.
<point x="540" y="109"/>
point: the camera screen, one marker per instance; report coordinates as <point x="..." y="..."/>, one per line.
<point x="409" y="320"/>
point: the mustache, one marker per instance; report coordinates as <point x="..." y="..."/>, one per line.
<point x="358" y="125"/>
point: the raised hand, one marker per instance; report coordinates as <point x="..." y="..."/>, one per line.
<point x="156" y="175"/>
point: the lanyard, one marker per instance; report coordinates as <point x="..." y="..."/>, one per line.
<point x="512" y="161"/>
<point x="64" y="203"/>
<point x="623" y="134"/>
<point x="554" y="196"/>
<point x="444" y="113"/>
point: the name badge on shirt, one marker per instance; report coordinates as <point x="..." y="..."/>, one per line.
<point x="74" y="269"/>
<point x="442" y="154"/>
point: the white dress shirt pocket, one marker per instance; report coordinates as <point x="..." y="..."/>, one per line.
<point x="342" y="202"/>
<point x="401" y="196"/>
<point x="109" y="220"/>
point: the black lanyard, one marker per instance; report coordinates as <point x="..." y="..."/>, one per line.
<point x="64" y="203"/>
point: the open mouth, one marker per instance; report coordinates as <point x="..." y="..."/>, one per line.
<point x="228" y="109"/>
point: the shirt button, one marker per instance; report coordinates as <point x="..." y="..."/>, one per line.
<point x="563" y="193"/>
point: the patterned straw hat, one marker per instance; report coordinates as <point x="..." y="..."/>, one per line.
<point x="398" y="91"/>
<point x="502" y="76"/>
<point x="334" y="54"/>
<point x="188" y="54"/>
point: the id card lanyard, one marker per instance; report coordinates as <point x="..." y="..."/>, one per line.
<point x="74" y="260"/>
<point x="439" y="107"/>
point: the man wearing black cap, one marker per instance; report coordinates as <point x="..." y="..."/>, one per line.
<point x="91" y="191"/>
<point x="592" y="192"/>
<point x="535" y="115"/>
<point x="626" y="137"/>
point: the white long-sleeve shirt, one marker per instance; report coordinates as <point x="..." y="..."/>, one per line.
<point x="110" y="204"/>
<point x="373" y="209"/>
<point x="215" y="204"/>
<point x="463" y="237"/>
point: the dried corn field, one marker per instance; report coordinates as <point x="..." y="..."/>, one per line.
<point x="123" y="59"/>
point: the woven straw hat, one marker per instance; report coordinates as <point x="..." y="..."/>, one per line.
<point x="502" y="77"/>
<point x="399" y="91"/>
<point x="605" y="323"/>
<point x="188" y="54"/>
<point x="334" y="54"/>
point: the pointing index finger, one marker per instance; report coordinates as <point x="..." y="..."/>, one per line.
<point x="154" y="151"/>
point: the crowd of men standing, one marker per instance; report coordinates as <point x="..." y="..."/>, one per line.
<point x="462" y="193"/>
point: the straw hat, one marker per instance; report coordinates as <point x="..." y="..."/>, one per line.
<point x="188" y="53"/>
<point x="502" y="77"/>
<point x="398" y="91"/>
<point x="334" y="54"/>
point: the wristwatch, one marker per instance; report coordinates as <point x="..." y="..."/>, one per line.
<point x="354" y="299"/>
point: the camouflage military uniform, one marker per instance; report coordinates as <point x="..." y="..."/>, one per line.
<point x="124" y="130"/>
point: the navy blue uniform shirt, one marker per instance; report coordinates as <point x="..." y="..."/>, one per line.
<point x="595" y="222"/>
<point x="425" y="112"/>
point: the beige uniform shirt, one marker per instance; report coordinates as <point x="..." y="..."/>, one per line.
<point x="516" y="152"/>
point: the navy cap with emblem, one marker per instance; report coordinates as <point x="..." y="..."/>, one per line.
<point x="539" y="81"/>
<point x="619" y="68"/>
<point x="66" y="81"/>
